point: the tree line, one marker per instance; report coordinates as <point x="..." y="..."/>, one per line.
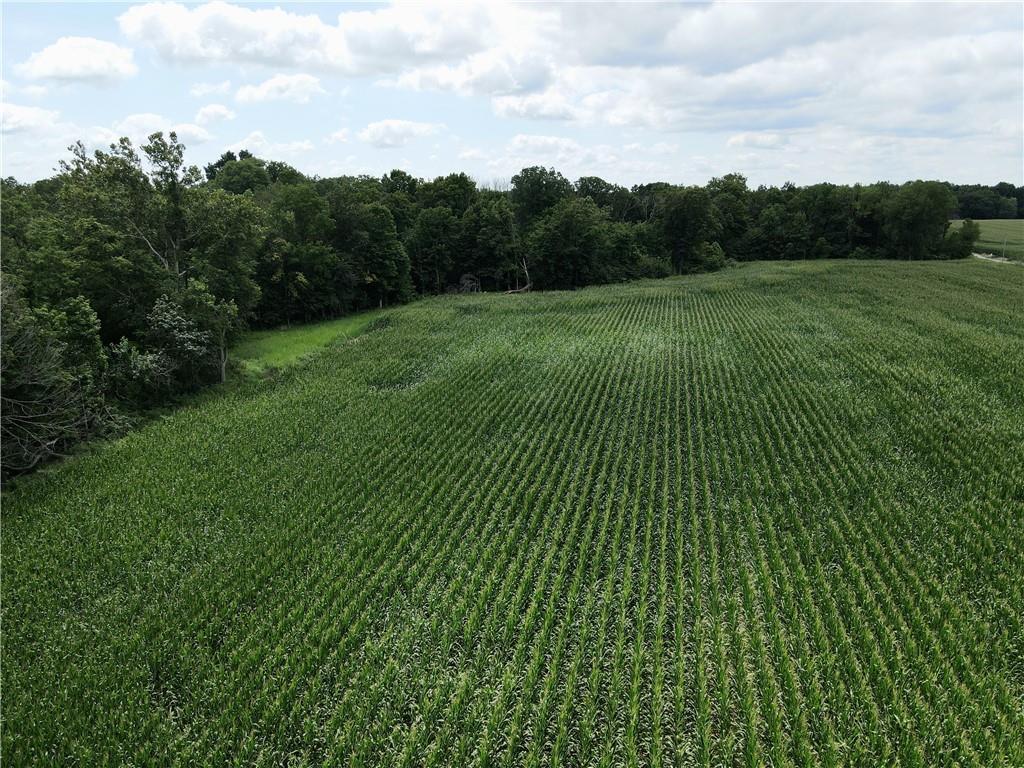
<point x="999" y="201"/>
<point x="128" y="274"/>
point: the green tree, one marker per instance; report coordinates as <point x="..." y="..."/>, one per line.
<point x="830" y="214"/>
<point x="301" y="215"/>
<point x="218" y="319"/>
<point x="869" y="213"/>
<point x="686" y="219"/>
<point x="566" y="247"/>
<point x="730" y="200"/>
<point x="211" y="169"/>
<point x="226" y="234"/>
<point x="781" y="232"/>
<point x="456" y="192"/>
<point x="618" y="201"/>
<point x="147" y="207"/>
<point x="916" y="219"/>
<point x="430" y="245"/>
<point x="247" y="175"/>
<point x="282" y="173"/>
<point x="49" y="397"/>
<point x="535" y="190"/>
<point x="381" y="262"/>
<point x="959" y="243"/>
<point x="493" y="246"/>
<point x="178" y="337"/>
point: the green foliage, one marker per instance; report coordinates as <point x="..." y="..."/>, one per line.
<point x="687" y="218"/>
<point x="300" y="215"/>
<point x="148" y="246"/>
<point x="238" y="176"/>
<point x="650" y="266"/>
<point x="616" y="200"/>
<point x="51" y="362"/>
<point x="140" y="377"/>
<point x="491" y="245"/>
<point x="781" y="232"/>
<point x="381" y="262"/>
<point x="730" y="200"/>
<point x="1000" y="237"/>
<point x="282" y="173"/>
<point x="1003" y="201"/>
<point x="281" y="347"/>
<point x="709" y="257"/>
<point x="431" y="244"/>
<point x="180" y="339"/>
<point x="536" y="190"/>
<point x="226" y="233"/>
<point x="829" y="212"/>
<point x="916" y="218"/>
<point x="566" y="246"/>
<point x="766" y="516"/>
<point x="959" y="242"/>
<point x="456" y="192"/>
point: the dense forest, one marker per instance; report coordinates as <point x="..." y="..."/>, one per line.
<point x="1001" y="201"/>
<point x="127" y="276"/>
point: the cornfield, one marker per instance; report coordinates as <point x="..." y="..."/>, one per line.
<point x="772" y="516"/>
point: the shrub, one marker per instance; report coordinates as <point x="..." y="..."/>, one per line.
<point x="137" y="377"/>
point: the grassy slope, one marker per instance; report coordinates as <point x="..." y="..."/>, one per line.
<point x="999" y="236"/>
<point x="284" y="346"/>
<point x="666" y="522"/>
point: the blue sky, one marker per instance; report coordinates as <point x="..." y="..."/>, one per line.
<point x="675" y="92"/>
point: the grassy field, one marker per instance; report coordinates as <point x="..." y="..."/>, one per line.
<point x="773" y="515"/>
<point x="1001" y="236"/>
<point x="284" y="346"/>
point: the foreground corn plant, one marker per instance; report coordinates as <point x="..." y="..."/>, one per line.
<point x="769" y="516"/>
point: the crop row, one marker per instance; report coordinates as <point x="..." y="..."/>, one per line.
<point x="770" y="516"/>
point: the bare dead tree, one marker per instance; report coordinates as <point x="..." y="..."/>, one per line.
<point x="529" y="284"/>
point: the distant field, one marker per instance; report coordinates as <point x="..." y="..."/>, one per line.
<point x="997" y="232"/>
<point x="769" y="516"/>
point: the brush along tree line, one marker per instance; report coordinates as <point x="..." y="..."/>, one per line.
<point x="129" y="273"/>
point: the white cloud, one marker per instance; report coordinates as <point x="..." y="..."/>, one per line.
<point x="338" y="137"/>
<point x="547" y="105"/>
<point x="387" y="134"/>
<point x="257" y="143"/>
<point x="634" y="162"/>
<point x="140" y="126"/>
<point x="553" y="147"/>
<point x="199" y="90"/>
<point x="675" y="68"/>
<point x="15" y="118"/>
<point x="836" y="91"/>
<point x="362" y="42"/>
<point x="295" y="88"/>
<point x="192" y="133"/>
<point x="219" y="31"/>
<point x="80" y="58"/>
<point x="212" y="113"/>
<point x="666" y="68"/>
<point x="763" y="140"/>
<point x="497" y="71"/>
<point x="659" y="148"/>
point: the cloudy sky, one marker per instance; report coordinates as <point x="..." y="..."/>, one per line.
<point x="803" y="92"/>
